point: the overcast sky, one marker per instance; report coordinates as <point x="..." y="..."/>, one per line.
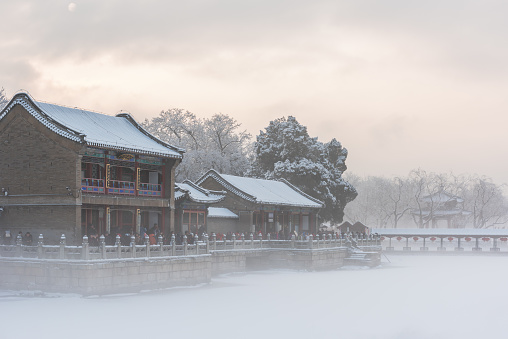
<point x="402" y="84"/>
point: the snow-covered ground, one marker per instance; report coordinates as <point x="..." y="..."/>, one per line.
<point x="411" y="297"/>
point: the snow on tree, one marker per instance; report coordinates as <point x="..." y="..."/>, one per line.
<point x="488" y="205"/>
<point x="381" y="202"/>
<point x="214" y="143"/>
<point x="3" y="99"/>
<point x="422" y="198"/>
<point x="285" y="150"/>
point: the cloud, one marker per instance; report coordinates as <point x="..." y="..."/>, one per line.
<point x="362" y="71"/>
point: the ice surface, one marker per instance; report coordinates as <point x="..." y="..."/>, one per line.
<point x="411" y="297"/>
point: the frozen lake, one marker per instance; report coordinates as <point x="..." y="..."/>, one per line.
<point x="411" y="297"/>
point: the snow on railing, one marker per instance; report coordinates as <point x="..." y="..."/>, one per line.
<point x="442" y="240"/>
<point x="187" y="247"/>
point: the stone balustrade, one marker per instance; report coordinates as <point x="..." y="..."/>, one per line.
<point x="205" y="246"/>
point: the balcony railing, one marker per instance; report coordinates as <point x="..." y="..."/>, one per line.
<point x="150" y="190"/>
<point x="122" y="187"/>
<point x="90" y="185"/>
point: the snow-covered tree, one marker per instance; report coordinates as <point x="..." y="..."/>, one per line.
<point x="285" y="150"/>
<point x="486" y="202"/>
<point x="381" y="202"/>
<point x="209" y="143"/>
<point x="3" y="99"/>
<point x="423" y="197"/>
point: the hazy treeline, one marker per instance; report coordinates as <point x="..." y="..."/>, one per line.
<point x="397" y="202"/>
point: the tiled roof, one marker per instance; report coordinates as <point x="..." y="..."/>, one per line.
<point x="271" y="192"/>
<point x="197" y="194"/>
<point x="119" y="132"/>
<point x="221" y="212"/>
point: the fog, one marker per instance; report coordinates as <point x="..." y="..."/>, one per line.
<point x="409" y="297"/>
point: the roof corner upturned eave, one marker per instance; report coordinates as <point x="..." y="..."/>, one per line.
<point x="319" y="202"/>
<point x="131" y="120"/>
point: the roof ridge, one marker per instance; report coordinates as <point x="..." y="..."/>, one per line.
<point x="61" y="120"/>
<point x="217" y="176"/>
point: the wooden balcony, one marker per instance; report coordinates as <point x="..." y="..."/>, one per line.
<point x="122" y="187"/>
<point x="97" y="186"/>
<point x="89" y="185"/>
<point x="150" y="190"/>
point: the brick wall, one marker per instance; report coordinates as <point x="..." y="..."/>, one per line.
<point x="36" y="168"/>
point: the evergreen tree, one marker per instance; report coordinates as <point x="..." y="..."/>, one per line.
<point x="285" y="150"/>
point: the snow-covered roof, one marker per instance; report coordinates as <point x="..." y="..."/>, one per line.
<point x="441" y="197"/>
<point x="120" y="132"/>
<point x="440" y="232"/>
<point x="271" y="192"/>
<point x="221" y="212"/>
<point x="441" y="213"/>
<point x="197" y="194"/>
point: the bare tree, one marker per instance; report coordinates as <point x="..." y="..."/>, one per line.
<point x="209" y="143"/>
<point x="427" y="198"/>
<point x="222" y="132"/>
<point x="489" y="206"/>
<point x="399" y="195"/>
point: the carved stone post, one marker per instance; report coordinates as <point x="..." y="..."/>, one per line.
<point x="214" y="240"/>
<point x="118" y="245"/>
<point x="160" y="242"/>
<point x="133" y="246"/>
<point x="85" y="251"/>
<point x="19" y="241"/>
<point x="311" y="241"/>
<point x="61" y="251"/>
<point x="102" y="246"/>
<point x="207" y="242"/>
<point x="184" y="245"/>
<point x="173" y="245"/>
<point x="147" y="246"/>
<point x="40" y="249"/>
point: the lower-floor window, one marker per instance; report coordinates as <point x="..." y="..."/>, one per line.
<point x="194" y="221"/>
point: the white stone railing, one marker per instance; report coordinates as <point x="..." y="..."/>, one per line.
<point x="442" y="240"/>
<point x="206" y="246"/>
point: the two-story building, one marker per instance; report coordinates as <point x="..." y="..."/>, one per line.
<point x="71" y="171"/>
